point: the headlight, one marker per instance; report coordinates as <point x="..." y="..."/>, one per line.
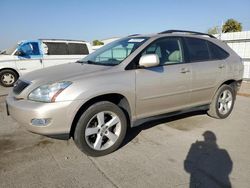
<point x="48" y="92"/>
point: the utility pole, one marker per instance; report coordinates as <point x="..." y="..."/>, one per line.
<point x="221" y="29"/>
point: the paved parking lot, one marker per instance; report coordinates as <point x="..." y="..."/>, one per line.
<point x="166" y="153"/>
<point x="4" y="91"/>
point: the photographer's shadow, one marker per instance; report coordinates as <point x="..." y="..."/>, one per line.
<point x="209" y="166"/>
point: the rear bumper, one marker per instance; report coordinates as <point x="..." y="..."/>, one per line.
<point x="60" y="115"/>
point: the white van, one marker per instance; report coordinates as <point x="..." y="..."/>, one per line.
<point x="30" y="55"/>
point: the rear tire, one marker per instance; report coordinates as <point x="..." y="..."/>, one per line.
<point x="101" y="129"/>
<point x="223" y="102"/>
<point x="8" y="77"/>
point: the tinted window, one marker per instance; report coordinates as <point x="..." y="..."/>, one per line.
<point x="169" y="50"/>
<point x="216" y="52"/>
<point x="198" y="49"/>
<point x="78" y="49"/>
<point x="57" y="48"/>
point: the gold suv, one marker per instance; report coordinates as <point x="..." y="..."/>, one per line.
<point x="96" y="99"/>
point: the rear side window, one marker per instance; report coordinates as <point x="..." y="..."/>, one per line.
<point x="57" y="48"/>
<point x="217" y="52"/>
<point x="78" y="49"/>
<point x="198" y="49"/>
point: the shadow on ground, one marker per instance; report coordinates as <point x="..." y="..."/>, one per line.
<point x="208" y="165"/>
<point x="134" y="132"/>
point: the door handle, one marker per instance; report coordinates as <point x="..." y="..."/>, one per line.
<point x="185" y="70"/>
<point x="41" y="61"/>
<point x="221" y="66"/>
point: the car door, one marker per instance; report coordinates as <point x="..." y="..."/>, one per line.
<point x="28" y="57"/>
<point x="207" y="70"/>
<point x="166" y="87"/>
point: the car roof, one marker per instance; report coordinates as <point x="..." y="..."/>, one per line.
<point x="175" y="33"/>
<point x="62" y="40"/>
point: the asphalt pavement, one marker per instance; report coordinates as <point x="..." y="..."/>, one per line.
<point x="4" y="91"/>
<point x="170" y="152"/>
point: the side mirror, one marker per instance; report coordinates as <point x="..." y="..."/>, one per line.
<point x="149" y="60"/>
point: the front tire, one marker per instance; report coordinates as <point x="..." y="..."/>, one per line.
<point x="100" y="129"/>
<point x="8" y="78"/>
<point x="223" y="102"/>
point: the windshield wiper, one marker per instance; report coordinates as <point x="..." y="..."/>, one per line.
<point x="86" y="62"/>
<point x="79" y="62"/>
<point x="95" y="63"/>
<point x="92" y="62"/>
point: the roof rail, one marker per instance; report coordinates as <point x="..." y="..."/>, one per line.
<point x="183" y="31"/>
<point x="133" y="35"/>
<point x="64" y="40"/>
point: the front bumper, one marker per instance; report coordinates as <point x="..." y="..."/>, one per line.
<point x="61" y="115"/>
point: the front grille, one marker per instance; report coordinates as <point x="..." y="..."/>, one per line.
<point x="20" y="86"/>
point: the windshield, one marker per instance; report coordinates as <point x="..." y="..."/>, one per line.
<point x="10" y="50"/>
<point x="115" y="52"/>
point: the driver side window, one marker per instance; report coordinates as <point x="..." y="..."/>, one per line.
<point x="169" y="50"/>
<point x="30" y="48"/>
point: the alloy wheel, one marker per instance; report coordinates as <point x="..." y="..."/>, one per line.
<point x="225" y="101"/>
<point x="103" y="130"/>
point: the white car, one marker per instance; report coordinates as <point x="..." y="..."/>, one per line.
<point x="30" y="55"/>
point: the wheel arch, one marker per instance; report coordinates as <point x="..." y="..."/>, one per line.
<point x="12" y="69"/>
<point x="115" y="98"/>
<point x="231" y="82"/>
<point x="17" y="75"/>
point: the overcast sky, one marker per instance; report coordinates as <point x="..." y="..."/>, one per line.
<point x="88" y="20"/>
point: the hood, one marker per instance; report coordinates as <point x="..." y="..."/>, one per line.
<point x="7" y="58"/>
<point x="66" y="72"/>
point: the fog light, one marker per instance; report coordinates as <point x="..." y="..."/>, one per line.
<point x="40" y="122"/>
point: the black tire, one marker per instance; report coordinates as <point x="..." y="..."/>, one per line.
<point x="9" y="73"/>
<point x="87" y="116"/>
<point x="214" y="106"/>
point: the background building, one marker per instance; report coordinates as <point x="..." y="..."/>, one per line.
<point x="240" y="43"/>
